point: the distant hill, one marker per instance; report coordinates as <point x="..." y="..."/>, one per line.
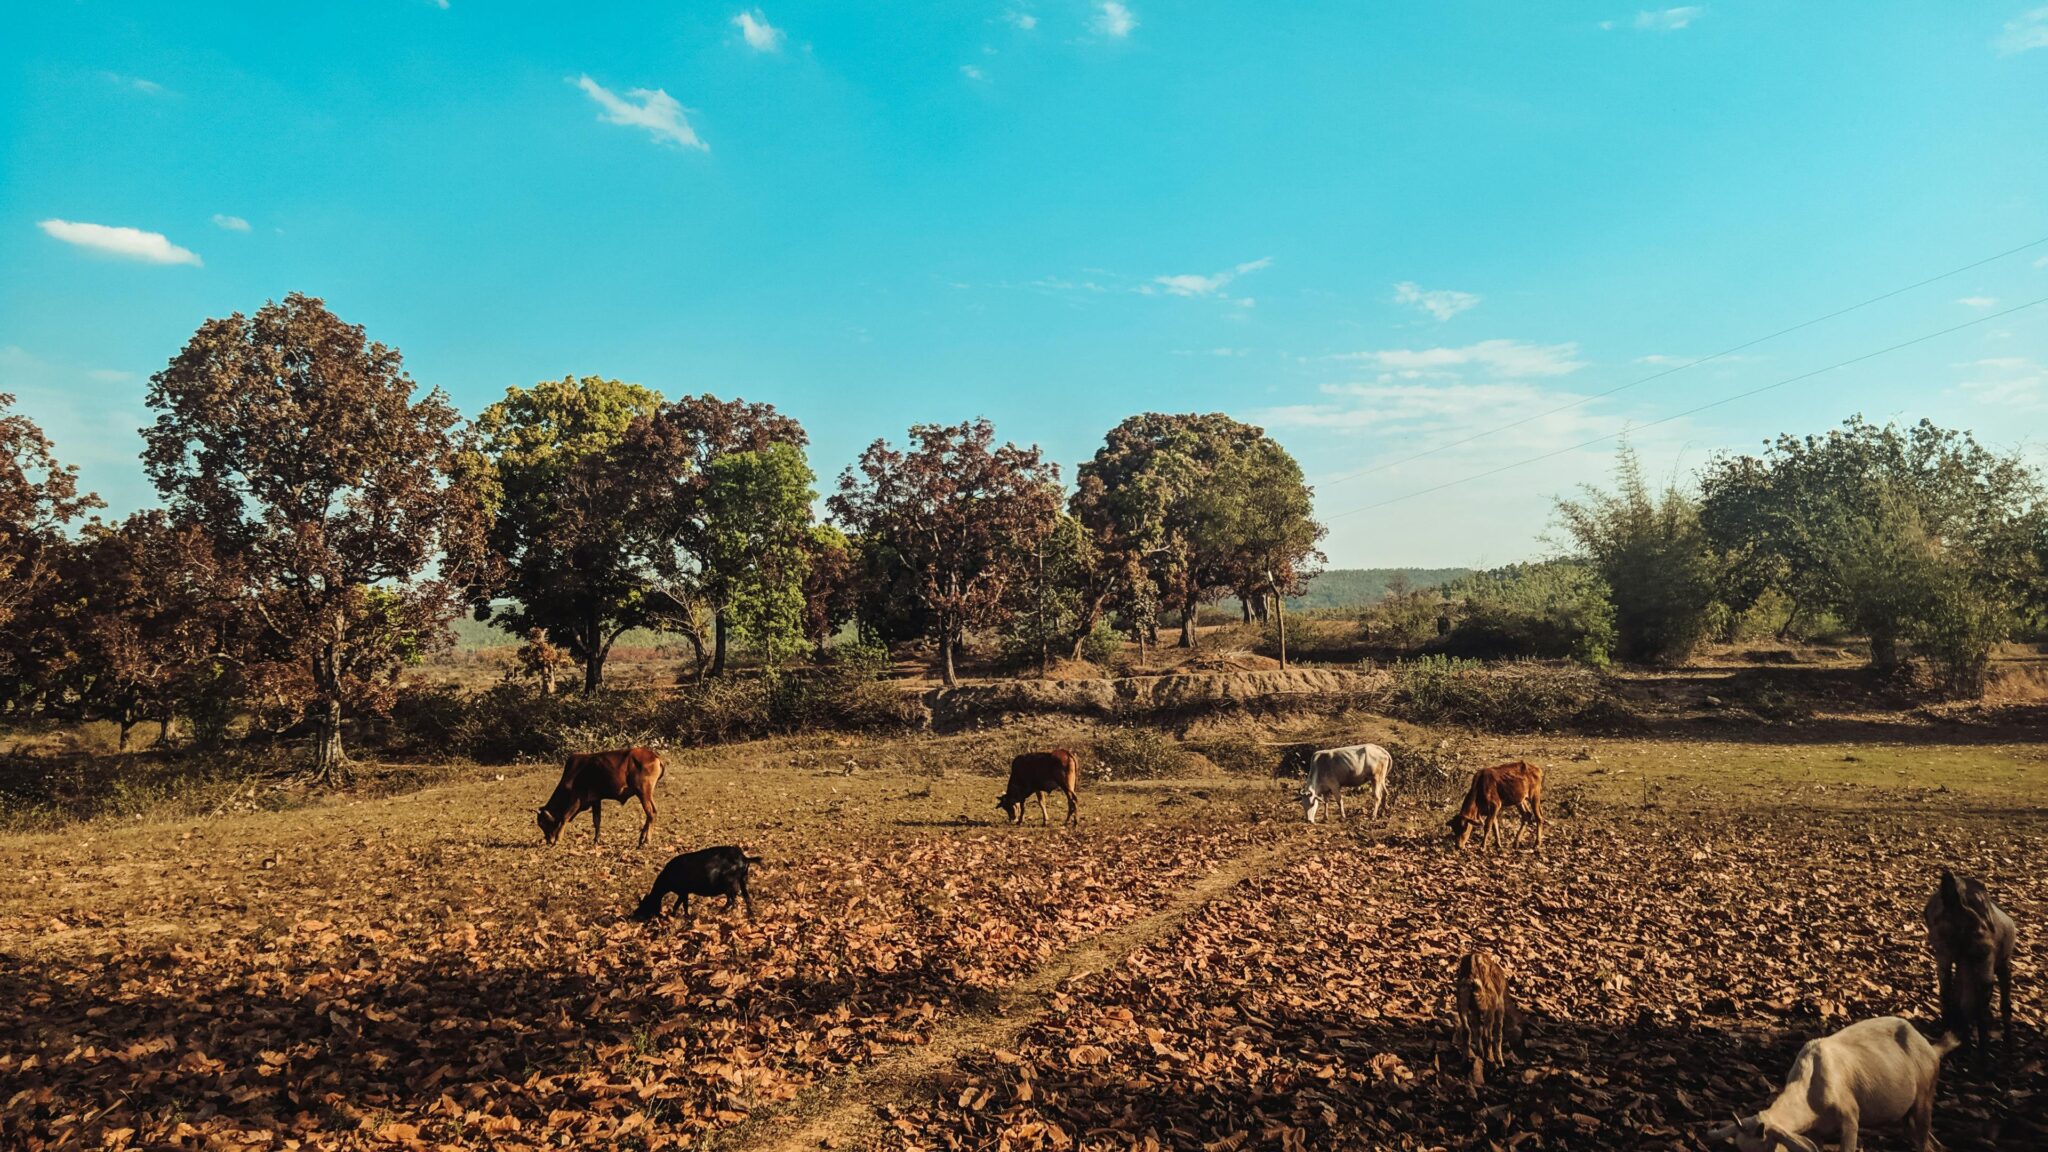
<point x="1358" y="587"/>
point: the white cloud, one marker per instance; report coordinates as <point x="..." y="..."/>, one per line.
<point x="652" y="109"/>
<point x="125" y="243"/>
<point x="149" y="87"/>
<point x="1024" y="20"/>
<point x="760" y="35"/>
<point x="1115" y="20"/>
<point x="1508" y="359"/>
<point x="1979" y="301"/>
<point x="1442" y="303"/>
<point x="2011" y="381"/>
<point x="972" y="73"/>
<point x="2042" y="262"/>
<point x="1668" y="19"/>
<point x="2024" y="34"/>
<point x="1194" y="284"/>
<point x="231" y="223"/>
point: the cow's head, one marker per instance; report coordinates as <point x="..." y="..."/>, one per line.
<point x="1759" y="1134"/>
<point x="550" y="824"/>
<point x="1457" y="824"/>
<point x="1311" y="804"/>
<point x="1012" y="808"/>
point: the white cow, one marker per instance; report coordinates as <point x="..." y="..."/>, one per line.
<point x="1878" y="1071"/>
<point x="1332" y="770"/>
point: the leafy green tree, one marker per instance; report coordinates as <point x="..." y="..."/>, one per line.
<point x="1165" y="492"/>
<point x="564" y="527"/>
<point x="1555" y="609"/>
<point x="1272" y="530"/>
<point x="1914" y="535"/>
<point x="756" y="538"/>
<point x="301" y="449"/>
<point x="1655" y="557"/>
<point x="696" y="545"/>
<point x="1055" y="600"/>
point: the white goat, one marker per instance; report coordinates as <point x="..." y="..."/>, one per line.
<point x="1877" y="1071"/>
<point x="1332" y="770"/>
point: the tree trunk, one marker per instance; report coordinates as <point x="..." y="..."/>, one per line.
<point x="1280" y="618"/>
<point x="1244" y="606"/>
<point x="127" y="722"/>
<point x="946" y="659"/>
<point x="593" y="673"/>
<point x="1187" y="625"/>
<point x="1884" y="649"/>
<point x="163" y="731"/>
<point x="718" y="643"/>
<point x="328" y="755"/>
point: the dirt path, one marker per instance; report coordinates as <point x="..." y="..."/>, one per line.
<point x="846" y="1111"/>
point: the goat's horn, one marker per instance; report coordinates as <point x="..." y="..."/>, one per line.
<point x="1727" y="1132"/>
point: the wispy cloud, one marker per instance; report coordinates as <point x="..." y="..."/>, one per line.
<point x="1442" y="303"/>
<point x="972" y="73"/>
<point x="2042" y="262"/>
<point x="1021" y="19"/>
<point x="1114" y="20"/>
<point x="1979" y="301"/>
<point x="147" y="87"/>
<point x="1661" y="19"/>
<point x="2023" y="34"/>
<point x="759" y="34"/>
<point x="652" y="109"/>
<point x="1508" y="359"/>
<point x="1213" y="284"/>
<point x="2011" y="381"/>
<point x="122" y="243"/>
<point x="230" y="223"/>
<point x="1224" y="352"/>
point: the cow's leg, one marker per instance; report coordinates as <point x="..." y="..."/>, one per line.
<point x="2005" y="999"/>
<point x="1920" y="1121"/>
<point x="1044" y="817"/>
<point x="1522" y="829"/>
<point x="1941" y="989"/>
<point x="1850" y="1136"/>
<point x="646" y="805"/>
<point x="684" y="907"/>
<point x="1074" y="817"/>
<point x="1536" y="809"/>
<point x="596" y="820"/>
<point x="1341" y="813"/>
<point x="1379" y="795"/>
<point x="749" y="900"/>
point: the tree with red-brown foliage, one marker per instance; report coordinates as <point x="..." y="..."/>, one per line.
<point x="300" y="446"/>
<point x="960" y="513"/>
<point x="39" y="498"/>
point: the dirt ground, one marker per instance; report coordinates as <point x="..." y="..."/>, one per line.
<point x="1192" y="967"/>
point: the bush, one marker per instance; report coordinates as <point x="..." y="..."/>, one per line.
<point x="1519" y="697"/>
<point x="1102" y="645"/>
<point x="1554" y="610"/>
<point x="1139" y="754"/>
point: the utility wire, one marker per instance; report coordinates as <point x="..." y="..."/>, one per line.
<point x="1725" y="352"/>
<point x="1693" y="411"/>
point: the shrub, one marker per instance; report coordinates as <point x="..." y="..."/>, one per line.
<point x="1102" y="645"/>
<point x="1139" y="754"/>
<point x="1518" y="697"/>
<point x="1558" y="609"/>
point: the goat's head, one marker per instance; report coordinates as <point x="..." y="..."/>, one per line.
<point x="1759" y="1134"/>
<point x="550" y="824"/>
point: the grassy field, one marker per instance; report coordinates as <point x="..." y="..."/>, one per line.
<point x="1193" y="966"/>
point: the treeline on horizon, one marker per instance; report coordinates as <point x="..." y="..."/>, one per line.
<point x="324" y="520"/>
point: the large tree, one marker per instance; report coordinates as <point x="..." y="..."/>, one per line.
<point x="303" y="449"/>
<point x="39" y="498"/>
<point x="1272" y="529"/>
<point x="1167" y="493"/>
<point x="1916" y="535"/>
<point x="564" y="523"/>
<point x="958" y="513"/>
<point x="723" y="501"/>
<point x="1652" y="551"/>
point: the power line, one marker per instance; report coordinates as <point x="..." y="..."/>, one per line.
<point x="1725" y="352"/>
<point x="1692" y="411"/>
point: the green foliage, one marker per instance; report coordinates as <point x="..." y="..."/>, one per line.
<point x="1917" y="535"/>
<point x="756" y="545"/>
<point x="1557" y="609"/>
<point x="1103" y="645"/>
<point x="1655" y="558"/>
<point x="1049" y="603"/>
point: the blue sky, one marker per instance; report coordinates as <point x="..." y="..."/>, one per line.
<point x="1372" y="228"/>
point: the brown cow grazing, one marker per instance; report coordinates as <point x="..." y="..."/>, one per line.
<point x="1035" y="774"/>
<point x="591" y="778"/>
<point x="1972" y="940"/>
<point x="1482" y="992"/>
<point x="1517" y="784"/>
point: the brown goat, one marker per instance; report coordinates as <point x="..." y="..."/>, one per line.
<point x="591" y="778"/>
<point x="1482" y="994"/>
<point x="1035" y="774"/>
<point x="1517" y="784"/>
<point x="1972" y="940"/>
